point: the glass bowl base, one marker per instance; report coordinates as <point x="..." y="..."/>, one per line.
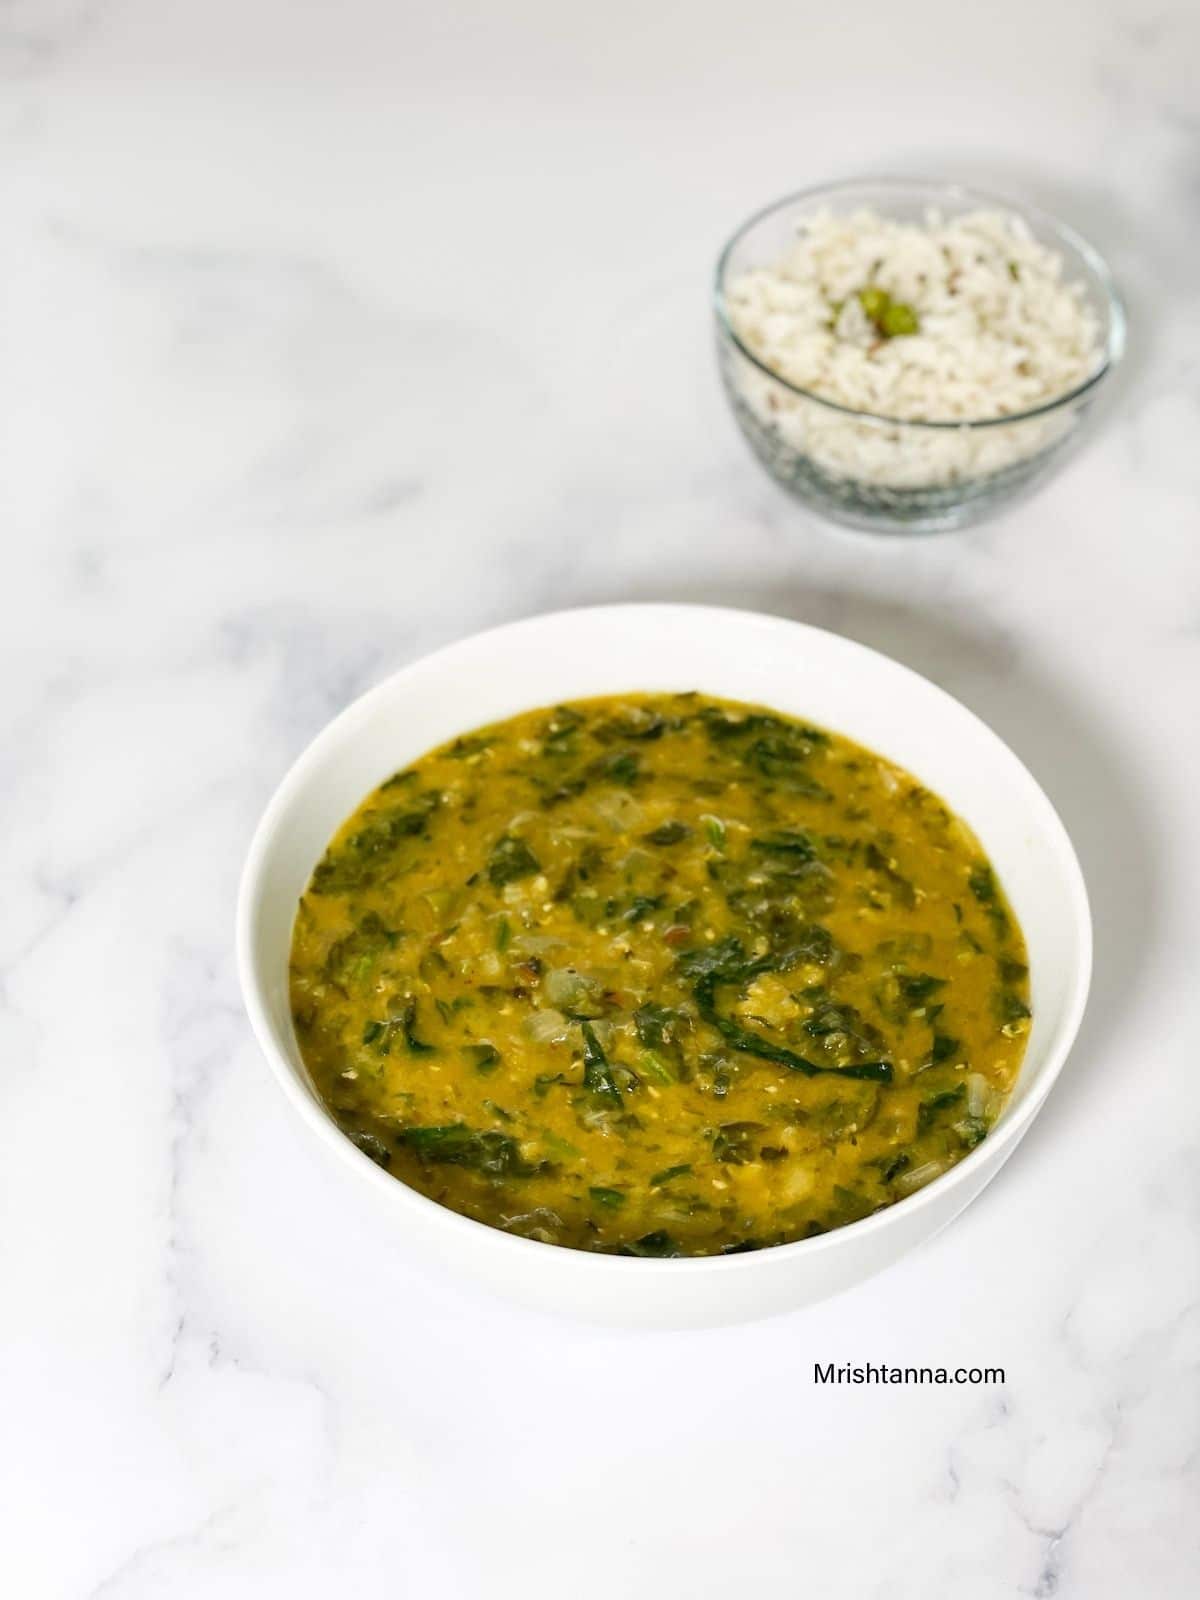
<point x="879" y="508"/>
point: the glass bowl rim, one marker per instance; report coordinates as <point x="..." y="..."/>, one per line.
<point x="1114" y="345"/>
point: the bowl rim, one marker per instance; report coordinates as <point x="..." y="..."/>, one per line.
<point x="996" y="1148"/>
<point x="1114" y="344"/>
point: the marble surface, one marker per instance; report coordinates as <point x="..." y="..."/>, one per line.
<point x="330" y="333"/>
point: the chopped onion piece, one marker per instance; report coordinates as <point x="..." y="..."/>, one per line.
<point x="565" y="986"/>
<point x="541" y="1224"/>
<point x="535" y="944"/>
<point x="620" y="810"/>
<point x="910" y="1182"/>
<point x="547" y="1027"/>
<point x="596" y="1119"/>
<point x="603" y="1029"/>
<point x="487" y="966"/>
<point x="979" y="1094"/>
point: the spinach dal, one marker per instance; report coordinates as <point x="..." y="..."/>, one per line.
<point x="660" y="975"/>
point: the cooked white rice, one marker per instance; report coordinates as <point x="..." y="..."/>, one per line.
<point x="999" y="332"/>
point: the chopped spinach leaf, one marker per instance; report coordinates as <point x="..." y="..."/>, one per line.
<point x="408" y="1025"/>
<point x="597" y="1072"/>
<point x="916" y="988"/>
<point x="892" y="1166"/>
<point x="900" y="886"/>
<point x="942" y="1049"/>
<point x="1010" y="1007"/>
<point x="485" y="1058"/>
<point x="654" y="1068"/>
<point x="982" y="884"/>
<point x="789" y="843"/>
<point x="471" y="744"/>
<point x="495" y="1155"/>
<point x="849" y="1206"/>
<point x="372" y="1145"/>
<point x="657" y="1025"/>
<point x="930" y="1110"/>
<point x="733" y="1143"/>
<point x="363" y="858"/>
<point x="656" y="1245"/>
<point x="641" y="906"/>
<point x="511" y="859"/>
<point x="668" y="833"/>
<point x="635" y="723"/>
<point x="620" y="768"/>
<point x="668" y="1173"/>
<point x="724" y="962"/>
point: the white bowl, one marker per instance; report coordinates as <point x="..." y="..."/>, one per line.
<point x="740" y="656"/>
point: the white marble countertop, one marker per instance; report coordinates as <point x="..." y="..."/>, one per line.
<point x="330" y="334"/>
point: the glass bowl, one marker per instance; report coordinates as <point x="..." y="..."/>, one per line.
<point x="880" y="473"/>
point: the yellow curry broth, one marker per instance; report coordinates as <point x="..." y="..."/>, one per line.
<point x="661" y="974"/>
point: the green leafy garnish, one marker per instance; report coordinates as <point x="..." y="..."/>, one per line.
<point x="620" y="768"/>
<point x="668" y="833"/>
<point x="511" y="859"/>
<point x="898" y="321"/>
<point x="724" y="963"/>
<point x="931" y="1109"/>
<point x="943" y="1047"/>
<point x="655" y="1245"/>
<point x="364" y="857"/>
<point x="657" y="1025"/>
<point x="642" y="906"/>
<point x="733" y="1143"/>
<point x="874" y="301"/>
<point x="1010" y="1007"/>
<point x="408" y="1026"/>
<point x="372" y="1145"/>
<point x="916" y="988"/>
<point x="495" y="1155"/>
<point x="355" y="958"/>
<point x="666" y="1175"/>
<point x="892" y="318"/>
<point x="892" y="1166"/>
<point x="982" y="884"/>
<point x="715" y="829"/>
<point x="597" y="1073"/>
<point x="790" y="843"/>
<point x="850" y="1206"/>
<point x="402" y="1022"/>
<point x="485" y="1058"/>
<point x="652" y="1067"/>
